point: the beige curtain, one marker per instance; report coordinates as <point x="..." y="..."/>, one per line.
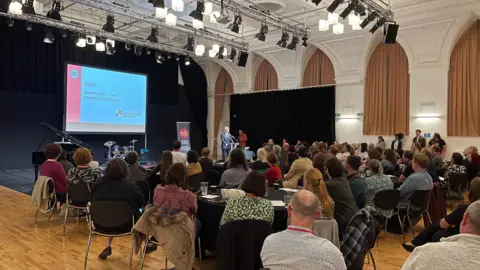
<point x="266" y="77"/>
<point x="464" y="85"/>
<point x="319" y="70"/>
<point x="387" y="92"/>
<point x="223" y="85"/>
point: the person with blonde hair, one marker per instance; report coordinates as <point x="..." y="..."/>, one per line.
<point x="261" y="163"/>
<point x="313" y="181"/>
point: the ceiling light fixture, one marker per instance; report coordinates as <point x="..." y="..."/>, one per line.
<point x="199" y="50"/>
<point x="100" y="45"/>
<point x="353" y="19"/>
<point x="333" y="18"/>
<point x="161" y="13"/>
<point x="216" y="48"/>
<point x="263" y="32"/>
<point x="153" y="35"/>
<point x="190" y="44"/>
<point x="49" y="38"/>
<point x="323" y="25"/>
<point x="212" y="53"/>
<point x="305" y="39"/>
<point x="27" y="7"/>
<point x="159" y="57"/>
<point x="177" y="5"/>
<point x="54" y="13"/>
<point x="28" y="26"/>
<point x="316" y="2"/>
<point x="109" y="25"/>
<point x="235" y="26"/>
<point x="197" y="24"/>
<point x="138" y="50"/>
<point x="128" y="47"/>
<point x="81" y="42"/>
<point x="208" y="9"/>
<point x="338" y="28"/>
<point x="15" y="7"/>
<point x="187" y="61"/>
<point x="233" y="55"/>
<point x="349" y="8"/>
<point x="197" y="13"/>
<point x="157" y="3"/>
<point x="220" y="53"/>
<point x="10" y="22"/>
<point x="293" y="44"/>
<point x="110" y="43"/>
<point x="369" y="19"/>
<point x="214" y="16"/>
<point x="379" y="24"/>
<point x="334" y="5"/>
<point x="284" y="39"/>
<point x="91" y="40"/>
<point x="171" y="19"/>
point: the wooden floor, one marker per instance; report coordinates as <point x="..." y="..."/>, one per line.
<point x="24" y="245"/>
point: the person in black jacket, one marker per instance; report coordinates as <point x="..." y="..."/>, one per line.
<point x="115" y="187"/>
<point x="397" y="143"/>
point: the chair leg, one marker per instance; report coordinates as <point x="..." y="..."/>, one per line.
<point x="386" y="226"/>
<point x="50" y="216"/>
<point x="86" y="252"/>
<point x="411" y="225"/>
<point x="36" y="214"/>
<point x="166" y="263"/>
<point x="401" y="227"/>
<point x="65" y="222"/>
<point x="131" y="251"/>
<point x="144" y="251"/>
<point x="373" y="260"/>
<point x="200" y="250"/>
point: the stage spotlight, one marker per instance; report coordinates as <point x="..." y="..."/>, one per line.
<point x="64" y="33"/>
<point x="49" y="38"/>
<point x="128" y="46"/>
<point x="316" y="2"/>
<point x="159" y="57"/>
<point x="109" y="25"/>
<point x="334" y="5"/>
<point x="233" y="55"/>
<point x="360" y="9"/>
<point x="28" y="26"/>
<point x="220" y="52"/>
<point x="190" y="44"/>
<point x="262" y="35"/>
<point x="379" y="24"/>
<point x="153" y="35"/>
<point x="157" y="3"/>
<point x="305" y="39"/>
<point x="138" y="50"/>
<point x="283" y="41"/>
<point x="10" y="22"/>
<point x="235" y="26"/>
<point x="177" y="58"/>
<point x="148" y="51"/>
<point x="197" y="14"/>
<point x="293" y="44"/>
<point x="27" y="7"/>
<point x="110" y="47"/>
<point x="367" y="20"/>
<point x="169" y="56"/>
<point x="15" y="7"/>
<point x="100" y="45"/>
<point x="91" y="40"/>
<point x="187" y="61"/>
<point x="81" y="42"/>
<point x="54" y="13"/>
<point x="349" y="8"/>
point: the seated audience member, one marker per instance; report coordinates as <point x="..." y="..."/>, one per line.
<point x="374" y="154"/>
<point x="114" y="186"/>
<point x="299" y="143"/>
<point x="83" y="172"/>
<point x="380" y="150"/>
<point x="472" y="161"/>
<point x="284" y="155"/>
<point x="297" y="247"/>
<point x="377" y="182"/>
<point x="205" y="161"/>
<point x="397" y="142"/>
<point x="319" y="163"/>
<point x="399" y="155"/>
<point x="270" y="141"/>
<point x="51" y="168"/>
<point x="456" y="166"/>
<point x="252" y="205"/>
<point x="332" y="151"/>
<point x="135" y="172"/>
<point x="449" y="225"/>
<point x="322" y="148"/>
<point x="339" y="189"/>
<point x="419" y="180"/>
<point x="193" y="166"/>
<point x="389" y="161"/>
<point x="268" y="148"/>
<point x="292" y="154"/>
<point x="237" y="170"/>
<point x="67" y="165"/>
<point x="407" y="165"/>
<point x="313" y="181"/>
<point x="273" y="173"/>
<point x="286" y="146"/>
<point x="344" y="153"/>
<point x="431" y="165"/>
<point x="438" y="141"/>
<point x="436" y="157"/>
<point x="261" y="163"/>
<point x="157" y="175"/>
<point x="277" y="150"/>
<point x="454" y="252"/>
<point x="380" y="144"/>
<point x="178" y="157"/>
<point x="357" y="184"/>
<point x="371" y="146"/>
<point x="362" y="152"/>
<point x="416" y="148"/>
<point x="298" y="168"/>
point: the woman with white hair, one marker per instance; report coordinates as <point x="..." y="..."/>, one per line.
<point x="261" y="163"/>
<point x="377" y="182"/>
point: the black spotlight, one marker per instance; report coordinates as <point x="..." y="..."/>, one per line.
<point x="316" y="2"/>
<point x="334" y="5"/>
<point x="367" y="20"/>
<point x="138" y="50"/>
<point x="379" y="24"/>
<point x="305" y="39"/>
<point x="220" y="52"/>
<point x="262" y="35"/>
<point x="109" y="25"/>
<point x="197" y="14"/>
<point x="177" y="58"/>
<point x="148" y="51"/>
<point x="128" y="46"/>
<point x="360" y="10"/>
<point x="233" y="54"/>
<point x="49" y="38"/>
<point x="169" y="56"/>
<point x="283" y="41"/>
<point x="28" y="26"/>
<point x="153" y="35"/>
<point x="157" y="3"/>
<point x="187" y="61"/>
<point x="110" y="47"/>
<point x="10" y="22"/>
<point x="159" y="57"/>
<point x="235" y="26"/>
<point x="349" y="9"/>
<point x="64" y="33"/>
<point x="54" y="13"/>
<point x="190" y="44"/>
<point x="293" y="44"/>
<point x="27" y="7"/>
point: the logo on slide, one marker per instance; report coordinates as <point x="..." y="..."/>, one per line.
<point x="74" y="73"/>
<point x="118" y="113"/>
<point x="183" y="133"/>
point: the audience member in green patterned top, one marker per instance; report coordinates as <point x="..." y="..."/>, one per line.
<point x="251" y="206"/>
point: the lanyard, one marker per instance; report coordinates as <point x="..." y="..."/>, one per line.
<point x="299" y="230"/>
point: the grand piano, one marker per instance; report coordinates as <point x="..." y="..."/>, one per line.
<point x="69" y="144"/>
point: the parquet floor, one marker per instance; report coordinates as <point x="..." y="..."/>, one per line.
<point x="24" y="245"/>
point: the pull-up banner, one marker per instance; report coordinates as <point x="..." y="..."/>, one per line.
<point x="183" y="135"/>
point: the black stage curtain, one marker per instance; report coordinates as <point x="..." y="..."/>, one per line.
<point x="303" y="114"/>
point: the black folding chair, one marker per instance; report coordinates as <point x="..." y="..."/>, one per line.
<point x="194" y="182"/>
<point x="110" y="214"/>
<point x="212" y="177"/>
<point x="52" y="201"/>
<point x="78" y="196"/>
<point x="457" y="185"/>
<point x="388" y="200"/>
<point x="144" y="186"/>
<point x="419" y="200"/>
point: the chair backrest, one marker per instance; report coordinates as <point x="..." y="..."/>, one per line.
<point x="79" y="192"/>
<point x="420" y="199"/>
<point x="387" y="199"/>
<point x="144" y="186"/>
<point x="111" y="214"/>
<point x="459" y="180"/>
<point x="213" y="177"/>
<point x="194" y="182"/>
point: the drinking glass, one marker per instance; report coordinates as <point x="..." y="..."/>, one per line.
<point x="204" y="186"/>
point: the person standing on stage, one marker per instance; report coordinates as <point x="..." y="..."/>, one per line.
<point x="226" y="143"/>
<point x="242" y="137"/>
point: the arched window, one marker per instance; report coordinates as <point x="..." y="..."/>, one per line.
<point x="223" y="86"/>
<point x="464" y="85"/>
<point x="387" y="92"/>
<point x="319" y="70"/>
<point x="266" y="77"/>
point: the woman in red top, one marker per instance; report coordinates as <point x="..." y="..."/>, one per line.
<point x="51" y="168"/>
<point x="273" y="173"/>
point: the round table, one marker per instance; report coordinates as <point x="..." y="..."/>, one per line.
<point x="210" y="213"/>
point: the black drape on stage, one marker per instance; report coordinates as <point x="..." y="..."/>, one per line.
<point x="302" y="114"/>
<point x="32" y="91"/>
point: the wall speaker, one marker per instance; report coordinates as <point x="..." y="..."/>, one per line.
<point x="242" y="59"/>
<point x="390" y="31"/>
